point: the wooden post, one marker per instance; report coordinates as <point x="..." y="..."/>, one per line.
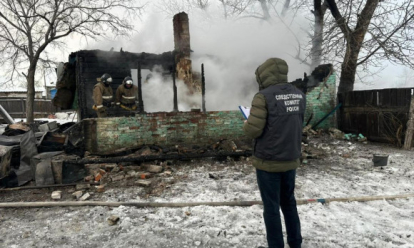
<point x="175" y="92"/>
<point x="203" y="89"/>
<point x="23" y="109"/>
<point x="140" y="100"/>
<point x="410" y="127"/>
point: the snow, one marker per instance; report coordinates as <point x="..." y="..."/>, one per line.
<point x="59" y="117"/>
<point x="345" y="171"/>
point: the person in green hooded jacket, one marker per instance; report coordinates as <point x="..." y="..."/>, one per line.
<point x="275" y="123"/>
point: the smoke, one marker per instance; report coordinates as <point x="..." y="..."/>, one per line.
<point x="158" y="92"/>
<point x="230" y="50"/>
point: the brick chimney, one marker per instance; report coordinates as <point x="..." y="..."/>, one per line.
<point x="182" y="52"/>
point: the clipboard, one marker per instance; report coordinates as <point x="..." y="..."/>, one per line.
<point x="245" y="111"/>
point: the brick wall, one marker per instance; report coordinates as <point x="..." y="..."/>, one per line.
<point x="109" y="134"/>
<point x="167" y="128"/>
<point x="320" y="101"/>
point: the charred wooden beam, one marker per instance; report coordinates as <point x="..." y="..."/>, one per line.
<point x="47" y="186"/>
<point x="203" y="89"/>
<point x="175" y="90"/>
<point x="147" y="158"/>
<point x="97" y="60"/>
<point x="91" y="64"/>
<point x="140" y="100"/>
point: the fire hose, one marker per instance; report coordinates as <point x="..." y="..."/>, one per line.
<point x="192" y="204"/>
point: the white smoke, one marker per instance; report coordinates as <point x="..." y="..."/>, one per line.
<point x="158" y="92"/>
<point x="230" y="51"/>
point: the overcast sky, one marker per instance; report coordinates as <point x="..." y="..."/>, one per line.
<point x="230" y="50"/>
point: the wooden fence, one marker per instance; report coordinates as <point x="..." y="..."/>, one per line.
<point x="379" y="115"/>
<point x="16" y="107"/>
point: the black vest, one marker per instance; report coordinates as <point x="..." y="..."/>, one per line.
<point x="282" y="135"/>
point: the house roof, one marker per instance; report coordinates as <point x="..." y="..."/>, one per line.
<point x="17" y="90"/>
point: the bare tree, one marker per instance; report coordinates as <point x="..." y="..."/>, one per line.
<point x="365" y="33"/>
<point x="319" y="10"/>
<point x="28" y="27"/>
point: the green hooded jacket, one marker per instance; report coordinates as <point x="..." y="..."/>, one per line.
<point x="273" y="71"/>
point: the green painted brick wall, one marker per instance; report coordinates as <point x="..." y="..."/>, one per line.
<point x="167" y="128"/>
<point x="320" y="101"/>
<point x="164" y="129"/>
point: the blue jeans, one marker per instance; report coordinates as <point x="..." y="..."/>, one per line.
<point x="277" y="191"/>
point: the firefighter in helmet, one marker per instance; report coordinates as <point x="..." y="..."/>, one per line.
<point x="103" y="95"/>
<point x="126" y="95"/>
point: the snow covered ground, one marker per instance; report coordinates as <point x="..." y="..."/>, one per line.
<point x="59" y="117"/>
<point x="345" y="171"/>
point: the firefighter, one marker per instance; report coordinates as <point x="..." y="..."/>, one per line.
<point x="103" y="95"/>
<point x="126" y="95"/>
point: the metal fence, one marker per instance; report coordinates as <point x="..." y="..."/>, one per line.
<point x="16" y="107"/>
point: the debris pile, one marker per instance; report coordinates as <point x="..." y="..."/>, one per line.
<point x="34" y="152"/>
<point x="50" y="154"/>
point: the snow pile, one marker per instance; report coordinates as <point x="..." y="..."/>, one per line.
<point x="345" y="171"/>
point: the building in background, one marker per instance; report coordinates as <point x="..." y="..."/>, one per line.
<point x="50" y="78"/>
<point x="19" y="92"/>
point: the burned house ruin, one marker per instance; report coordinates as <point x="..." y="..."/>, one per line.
<point x="166" y="135"/>
<point x="75" y="85"/>
<point x="103" y="136"/>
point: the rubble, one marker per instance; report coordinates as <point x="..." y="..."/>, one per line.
<point x="85" y="197"/>
<point x="56" y="195"/>
<point x="100" y="188"/>
<point x="145" y="151"/>
<point x="110" y="167"/>
<point x="117" y="177"/>
<point x="144" y="175"/>
<point x="99" y="175"/>
<point x="77" y="194"/>
<point x="113" y="220"/>
<point x="49" y="127"/>
<point x="82" y="186"/>
<point x="5" y="158"/>
<point x="336" y="133"/>
<point x="308" y="130"/>
<point x="143" y="183"/>
<point x="154" y="169"/>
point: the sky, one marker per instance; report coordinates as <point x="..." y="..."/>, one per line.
<point x="230" y="51"/>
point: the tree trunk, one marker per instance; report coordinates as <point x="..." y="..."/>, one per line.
<point x="316" y="50"/>
<point x="347" y="79"/>
<point x="265" y="9"/>
<point x="350" y="64"/>
<point x="354" y="40"/>
<point x="30" y="94"/>
<point x="285" y="7"/>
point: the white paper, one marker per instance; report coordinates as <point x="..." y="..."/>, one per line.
<point x="245" y="111"/>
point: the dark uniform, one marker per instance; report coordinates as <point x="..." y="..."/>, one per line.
<point x="103" y="96"/>
<point x="275" y="123"/>
<point x="126" y="95"/>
